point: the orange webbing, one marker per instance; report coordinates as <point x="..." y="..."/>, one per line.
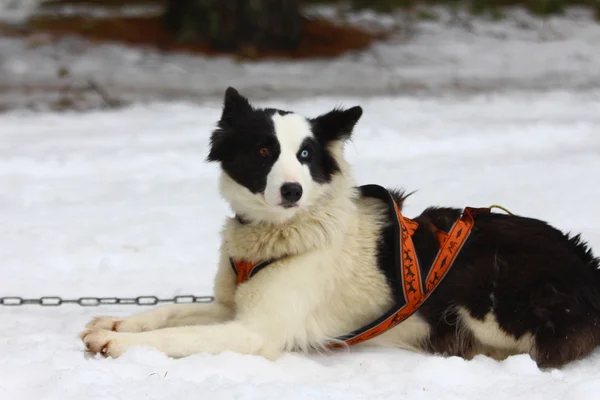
<point x="411" y="272"/>
<point x="243" y="269"/>
<point x="454" y="242"/>
<point x="411" y="284"/>
<point x="414" y="294"/>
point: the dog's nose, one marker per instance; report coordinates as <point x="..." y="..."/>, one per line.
<point x="291" y="192"/>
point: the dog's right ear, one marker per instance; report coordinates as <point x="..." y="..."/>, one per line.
<point x="233" y="104"/>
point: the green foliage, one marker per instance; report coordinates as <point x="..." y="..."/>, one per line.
<point x="383" y="5"/>
<point x="546" y="7"/>
<point x="478" y="7"/>
<point x="237" y="24"/>
<point x="496" y="13"/>
<point x="491" y="8"/>
<point x="102" y="3"/>
<point x="427" y="15"/>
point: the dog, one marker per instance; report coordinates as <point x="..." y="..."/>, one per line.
<point x="322" y="254"/>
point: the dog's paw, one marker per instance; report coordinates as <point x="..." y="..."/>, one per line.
<point x="103" y="342"/>
<point x="117" y="324"/>
<point x="135" y="324"/>
<point x="106" y="323"/>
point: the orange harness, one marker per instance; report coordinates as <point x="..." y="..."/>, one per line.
<point x="415" y="291"/>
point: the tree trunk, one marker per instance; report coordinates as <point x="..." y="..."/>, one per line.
<point x="237" y="24"/>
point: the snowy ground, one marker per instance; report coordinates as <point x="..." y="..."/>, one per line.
<point x="121" y="203"/>
<point x="518" y="52"/>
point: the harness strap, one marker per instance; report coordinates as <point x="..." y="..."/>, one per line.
<point x="245" y="270"/>
<point x="407" y="267"/>
<point x="414" y="293"/>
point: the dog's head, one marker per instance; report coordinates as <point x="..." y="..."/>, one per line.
<point x="276" y="163"/>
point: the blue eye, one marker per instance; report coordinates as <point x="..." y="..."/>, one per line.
<point x="304" y="154"/>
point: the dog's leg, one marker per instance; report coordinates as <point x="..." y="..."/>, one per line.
<point x="274" y="312"/>
<point x="165" y="316"/>
<point x="260" y="330"/>
<point x="180" y="314"/>
<point x="561" y="344"/>
<point x="183" y="341"/>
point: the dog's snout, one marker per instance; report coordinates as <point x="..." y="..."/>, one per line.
<point x="291" y="192"/>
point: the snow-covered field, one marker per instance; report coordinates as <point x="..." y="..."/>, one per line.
<point x="122" y="203"/>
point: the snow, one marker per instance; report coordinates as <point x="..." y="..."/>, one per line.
<point x="121" y="203"/>
<point x="517" y="53"/>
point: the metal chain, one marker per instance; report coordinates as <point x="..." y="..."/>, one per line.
<point x="54" y="301"/>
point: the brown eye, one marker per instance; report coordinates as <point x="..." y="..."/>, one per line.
<point x="264" y="152"/>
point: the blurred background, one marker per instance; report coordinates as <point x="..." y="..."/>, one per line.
<point x="82" y="54"/>
<point x="106" y="110"/>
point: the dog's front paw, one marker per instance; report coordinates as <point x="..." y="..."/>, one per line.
<point x="117" y="324"/>
<point x="106" y="323"/>
<point x="104" y="342"/>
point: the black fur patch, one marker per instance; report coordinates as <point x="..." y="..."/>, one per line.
<point x="533" y="278"/>
<point x="386" y="244"/>
<point x="319" y="161"/>
<point x="335" y="125"/>
<point x="237" y="142"/>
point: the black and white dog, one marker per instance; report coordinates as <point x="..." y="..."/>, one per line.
<point x="517" y="286"/>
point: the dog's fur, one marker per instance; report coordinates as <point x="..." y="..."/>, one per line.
<point x="518" y="286"/>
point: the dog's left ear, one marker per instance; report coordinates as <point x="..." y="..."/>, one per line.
<point x="336" y="124"/>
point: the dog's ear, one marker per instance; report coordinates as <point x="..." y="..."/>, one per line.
<point x="218" y="145"/>
<point x="233" y="104"/>
<point x="336" y="124"/>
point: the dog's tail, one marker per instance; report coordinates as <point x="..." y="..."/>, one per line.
<point x="585" y="253"/>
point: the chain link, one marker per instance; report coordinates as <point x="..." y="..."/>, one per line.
<point x="55" y="301"/>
